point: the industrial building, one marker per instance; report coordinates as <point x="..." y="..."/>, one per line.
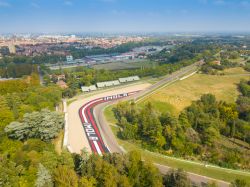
<point x="88" y="88"/>
<point x="107" y="84"/>
<point x="69" y="59"/>
<point x="129" y="79"/>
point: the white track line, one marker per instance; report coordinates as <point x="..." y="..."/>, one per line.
<point x="86" y="121"/>
<point x="83" y="109"/>
<point x="97" y="147"/>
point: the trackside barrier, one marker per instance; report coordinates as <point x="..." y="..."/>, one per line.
<point x="66" y="127"/>
<point x="185" y="77"/>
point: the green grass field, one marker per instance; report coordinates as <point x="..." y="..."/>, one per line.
<point x="239" y="60"/>
<point x="125" y="65"/>
<point x="175" y="97"/>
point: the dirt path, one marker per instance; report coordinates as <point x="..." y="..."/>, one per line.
<point x="76" y="136"/>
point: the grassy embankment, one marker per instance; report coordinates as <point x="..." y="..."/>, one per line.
<point x="175" y="98"/>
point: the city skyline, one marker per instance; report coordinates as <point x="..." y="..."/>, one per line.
<point x="19" y="16"/>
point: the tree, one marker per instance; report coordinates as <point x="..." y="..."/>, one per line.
<point x="176" y="178"/>
<point x="18" y="131"/>
<point x="150" y="176"/>
<point x="129" y="131"/>
<point x="183" y="120"/>
<point x="229" y="114"/>
<point x="49" y="160"/>
<point x="66" y="159"/>
<point x="10" y="172"/>
<point x="6" y="116"/>
<point x="243" y="107"/>
<point x="65" y="177"/>
<point x="44" y="178"/>
<point x="87" y="182"/>
<point x="244" y="88"/>
<point x="239" y="183"/>
<point x="44" y="125"/>
<point x="134" y="168"/>
<point x="210" y="135"/>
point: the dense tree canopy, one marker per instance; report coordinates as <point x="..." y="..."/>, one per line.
<point x="196" y="132"/>
<point x="44" y="125"/>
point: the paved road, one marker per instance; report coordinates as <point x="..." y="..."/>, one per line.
<point x="110" y="139"/>
<point x="195" y="178"/>
<point x="90" y="126"/>
<point x="93" y="122"/>
<point x="40" y="75"/>
<point x="92" y="118"/>
<point x="105" y="130"/>
<point x="113" y="146"/>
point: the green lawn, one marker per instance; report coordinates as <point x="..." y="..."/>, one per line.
<point x="175" y="97"/>
<point x="126" y="65"/>
<point x="193" y="167"/>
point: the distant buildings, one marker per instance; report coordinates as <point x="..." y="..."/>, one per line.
<point x="57" y="77"/>
<point x="69" y="59"/>
<point x="217" y="62"/>
<point x="106" y="84"/>
<point x="88" y="88"/>
<point x="62" y="84"/>
<point x="59" y="80"/>
<point x="110" y="58"/>
<point x="12" y="49"/>
<point x="129" y="79"/>
<point x="40" y="44"/>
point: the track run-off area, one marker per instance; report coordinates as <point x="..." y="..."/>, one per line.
<point x="90" y="126"/>
<point x="88" y="129"/>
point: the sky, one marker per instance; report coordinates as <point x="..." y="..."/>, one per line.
<point x="50" y="16"/>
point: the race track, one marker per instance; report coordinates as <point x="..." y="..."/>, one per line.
<point x="90" y="126"/>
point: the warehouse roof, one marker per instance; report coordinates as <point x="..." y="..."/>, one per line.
<point x="88" y="88"/>
<point x="129" y="79"/>
<point x="107" y="84"/>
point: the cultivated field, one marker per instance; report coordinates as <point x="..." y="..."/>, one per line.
<point x="175" y="97"/>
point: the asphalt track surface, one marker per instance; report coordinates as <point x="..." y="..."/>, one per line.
<point x="90" y="126"/>
<point x="100" y="136"/>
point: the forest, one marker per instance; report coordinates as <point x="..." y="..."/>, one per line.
<point x="196" y="133"/>
<point x="28" y="157"/>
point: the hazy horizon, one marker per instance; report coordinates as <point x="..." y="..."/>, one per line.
<point x="121" y="16"/>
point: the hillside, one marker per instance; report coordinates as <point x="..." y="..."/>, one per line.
<point x="174" y="98"/>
